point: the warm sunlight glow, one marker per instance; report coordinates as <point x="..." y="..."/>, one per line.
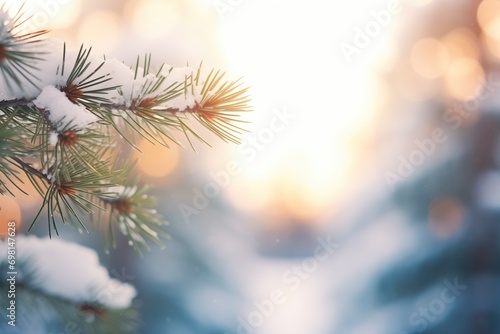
<point x="47" y="14"/>
<point x="492" y="45"/>
<point x="464" y="78"/>
<point x="101" y="30"/>
<point x="154" y="18"/>
<point x="414" y="88"/>
<point x="156" y="160"/>
<point x="308" y="160"/>
<point x="308" y="193"/>
<point x="429" y="58"/>
<point x="460" y="43"/>
<point x="9" y="211"/>
<point x="420" y="3"/>
<point x="488" y="17"/>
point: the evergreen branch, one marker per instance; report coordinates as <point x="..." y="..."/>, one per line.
<point x="82" y="87"/>
<point x="10" y="146"/>
<point x="218" y="109"/>
<point x="69" y="185"/>
<point x="35" y="306"/>
<point x="76" y="173"/>
<point x="29" y="169"/>
<point x="151" y="124"/>
<point x="16" y="50"/>
<point x="132" y="211"/>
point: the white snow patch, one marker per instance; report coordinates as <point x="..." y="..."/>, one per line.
<point x="182" y="102"/>
<point x="54" y="137"/>
<point x="136" y="89"/>
<point x="69" y="271"/>
<point x="44" y="72"/>
<point x="62" y="112"/>
<point x="180" y="75"/>
<point x="48" y="73"/>
<point x="121" y="75"/>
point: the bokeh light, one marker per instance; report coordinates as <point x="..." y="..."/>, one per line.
<point x="445" y="217"/>
<point x="153" y="18"/>
<point x="492" y="45"/>
<point x="461" y="43"/>
<point x="488" y="17"/>
<point x="464" y="78"/>
<point x="10" y="211"/>
<point x="429" y="58"/>
<point x="322" y="174"/>
<point x="330" y="101"/>
<point x="48" y="14"/>
<point x="100" y="29"/>
<point x="155" y="160"/>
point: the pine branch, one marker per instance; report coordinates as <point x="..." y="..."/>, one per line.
<point x="217" y="108"/>
<point x="68" y="127"/>
<point x="29" y="169"/>
<point x="16" y="57"/>
<point x="13" y="103"/>
<point x="80" y="81"/>
<point x="11" y="145"/>
<point x="133" y="212"/>
<point x="36" y="308"/>
<point x="63" y="130"/>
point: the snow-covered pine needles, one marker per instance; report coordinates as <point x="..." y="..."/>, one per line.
<point x="64" y="113"/>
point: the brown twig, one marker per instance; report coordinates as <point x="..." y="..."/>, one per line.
<point x="14" y="103"/>
<point x="28" y="168"/>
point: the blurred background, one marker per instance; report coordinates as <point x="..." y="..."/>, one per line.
<point x="365" y="197"/>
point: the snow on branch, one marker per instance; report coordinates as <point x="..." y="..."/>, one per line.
<point x="68" y="111"/>
<point x="68" y="271"/>
<point x="61" y="112"/>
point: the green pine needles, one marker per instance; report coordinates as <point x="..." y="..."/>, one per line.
<point x="64" y="115"/>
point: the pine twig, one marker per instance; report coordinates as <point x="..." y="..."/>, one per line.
<point x="14" y="103"/>
<point x="28" y="168"/>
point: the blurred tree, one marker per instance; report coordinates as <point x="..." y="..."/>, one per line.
<point x="445" y="277"/>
